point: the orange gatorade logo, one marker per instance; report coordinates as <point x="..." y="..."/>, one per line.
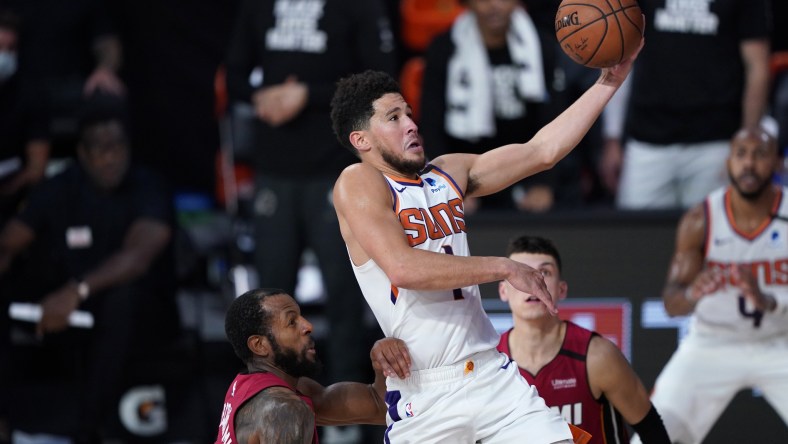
<point x="436" y="222"/>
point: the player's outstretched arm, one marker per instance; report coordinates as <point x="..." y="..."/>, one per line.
<point x="499" y="168"/>
<point x="275" y="415"/>
<point x="390" y="358"/>
<point x="610" y="374"/>
<point x="687" y="280"/>
<point x="369" y="225"/>
<point x="353" y="402"/>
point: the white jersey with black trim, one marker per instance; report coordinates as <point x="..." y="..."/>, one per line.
<point x="440" y="327"/>
<point x="727" y="315"/>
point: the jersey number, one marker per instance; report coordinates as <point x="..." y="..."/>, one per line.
<point x="457" y="291"/>
<point x="755" y="314"/>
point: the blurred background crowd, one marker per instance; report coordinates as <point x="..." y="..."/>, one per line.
<point x="157" y="158"/>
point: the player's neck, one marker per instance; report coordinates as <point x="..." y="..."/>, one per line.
<point x="749" y="214"/>
<point x="493" y="39"/>
<point x="265" y="367"/>
<point x="534" y="343"/>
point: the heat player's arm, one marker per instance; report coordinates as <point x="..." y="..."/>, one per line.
<point x="611" y="375"/>
<point x="275" y="415"/>
<point x="345" y="403"/>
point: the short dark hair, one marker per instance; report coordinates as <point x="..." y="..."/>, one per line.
<point x="534" y="245"/>
<point x="351" y="106"/>
<point x="100" y="110"/>
<point x="9" y="20"/>
<point x="246" y="317"/>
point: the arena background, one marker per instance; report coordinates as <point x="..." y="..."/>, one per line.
<point x="172" y="50"/>
<point x="610" y="259"/>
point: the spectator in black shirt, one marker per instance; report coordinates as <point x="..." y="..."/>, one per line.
<point x="24" y="144"/>
<point x="487" y="82"/>
<point x="93" y="238"/>
<point x="70" y="51"/>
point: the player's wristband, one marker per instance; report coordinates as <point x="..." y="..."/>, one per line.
<point x="651" y="429"/>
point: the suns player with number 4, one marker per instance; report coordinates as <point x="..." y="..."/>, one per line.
<point x="730" y="272"/>
<point x="401" y="216"/>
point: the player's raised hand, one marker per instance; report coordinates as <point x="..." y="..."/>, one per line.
<point x="390" y="356"/>
<point x="530" y="280"/>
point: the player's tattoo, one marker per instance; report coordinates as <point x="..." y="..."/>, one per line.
<point x="275" y="415"/>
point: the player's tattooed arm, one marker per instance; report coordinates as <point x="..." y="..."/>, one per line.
<point x="275" y="415"/>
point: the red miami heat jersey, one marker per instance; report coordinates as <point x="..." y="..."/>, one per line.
<point x="727" y="315"/>
<point x="563" y="384"/>
<point x="440" y="327"/>
<point x="244" y="387"/>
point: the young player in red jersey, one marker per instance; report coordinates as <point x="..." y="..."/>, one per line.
<point x="578" y="372"/>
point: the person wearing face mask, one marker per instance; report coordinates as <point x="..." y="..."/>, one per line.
<point x="24" y="145"/>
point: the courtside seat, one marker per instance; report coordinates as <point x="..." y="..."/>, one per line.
<point x="410" y="80"/>
<point x="424" y="19"/>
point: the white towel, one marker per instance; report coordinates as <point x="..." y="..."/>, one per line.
<point x="469" y="113"/>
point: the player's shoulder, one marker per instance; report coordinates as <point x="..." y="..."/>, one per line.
<point x="275" y="395"/>
<point x="359" y="179"/>
<point x="604" y="353"/>
<point x="359" y="172"/>
<point x="455" y="165"/>
<point x="693" y="221"/>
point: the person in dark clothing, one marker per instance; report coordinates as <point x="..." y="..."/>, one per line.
<point x="487" y="82"/>
<point x="24" y="143"/>
<point x="294" y="52"/>
<point x="678" y="118"/>
<point x="94" y="238"/>
<point x="69" y="51"/>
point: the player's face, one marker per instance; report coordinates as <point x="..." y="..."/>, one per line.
<point x="525" y="306"/>
<point x="493" y="16"/>
<point x="105" y="155"/>
<point x="752" y="163"/>
<point x="293" y="345"/>
<point x="396" y="136"/>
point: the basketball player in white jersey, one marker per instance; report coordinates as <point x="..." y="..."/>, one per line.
<point x="403" y="223"/>
<point x="730" y="272"/>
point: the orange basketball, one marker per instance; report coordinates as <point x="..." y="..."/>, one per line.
<point x="599" y="33"/>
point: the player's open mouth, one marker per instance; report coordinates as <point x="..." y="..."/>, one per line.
<point x="413" y="145"/>
<point x="532" y="299"/>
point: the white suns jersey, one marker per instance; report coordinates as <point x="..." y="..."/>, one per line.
<point x="727" y="314"/>
<point x="439" y="327"/>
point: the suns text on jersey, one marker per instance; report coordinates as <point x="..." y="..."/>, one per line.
<point x="769" y="272"/>
<point x="435" y="222"/>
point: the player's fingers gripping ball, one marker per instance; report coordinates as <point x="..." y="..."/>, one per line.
<point x="599" y="33"/>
